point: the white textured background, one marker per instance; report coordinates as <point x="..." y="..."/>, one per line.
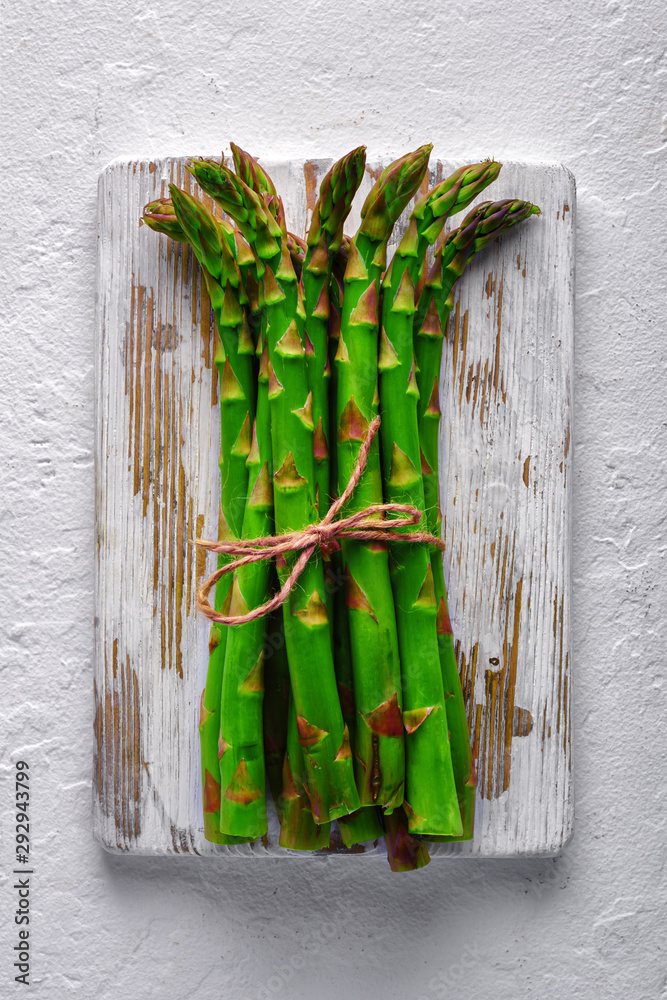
<point x="584" y="82"/>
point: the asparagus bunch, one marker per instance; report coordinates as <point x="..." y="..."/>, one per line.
<point x="356" y="713"/>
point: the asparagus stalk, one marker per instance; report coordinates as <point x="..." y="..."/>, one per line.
<point x="238" y="389"/>
<point x="249" y="170"/>
<point x="379" y="745"/>
<point x="335" y="309"/>
<point x="363" y="825"/>
<point x="248" y="268"/>
<point x="212" y="242"/>
<point x="284" y="759"/>
<point x="405" y="852"/>
<point x="276" y="705"/>
<point x="234" y="359"/>
<point x="256" y="178"/>
<point x="299" y="830"/>
<point x="297" y="251"/>
<point x="321" y="729"/>
<point x="482" y="225"/>
<point x="160" y="217"/>
<point x="253" y="174"/>
<point x="431" y="801"/>
<point x="242" y="771"/>
<point x="325" y="237"/>
<point x="336" y="578"/>
<point x="360" y="827"/>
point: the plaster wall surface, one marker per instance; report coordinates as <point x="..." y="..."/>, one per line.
<point x="582" y="82"/>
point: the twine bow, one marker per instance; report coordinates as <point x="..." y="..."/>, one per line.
<point x="362" y="526"/>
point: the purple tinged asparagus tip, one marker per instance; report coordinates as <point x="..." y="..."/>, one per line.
<point x="391" y="193"/>
<point x="337" y="191"/>
<point x="159" y="215"/>
<point x="252" y="173"/>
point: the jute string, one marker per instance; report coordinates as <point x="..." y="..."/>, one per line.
<point x="366" y="526"/>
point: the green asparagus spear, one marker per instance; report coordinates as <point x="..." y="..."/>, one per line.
<point x="482" y="225"/>
<point x="276" y="705"/>
<point x="249" y="170"/>
<point x="325" y="237"/>
<point x="379" y="744"/>
<point x="160" y="217"/>
<point x="405" y="852"/>
<point x="335" y="569"/>
<point x="242" y="771"/>
<point x="237" y="407"/>
<point x="297" y="251"/>
<point x="430" y="794"/>
<point x="299" y="830"/>
<point x="212" y="242"/>
<point x="256" y="178"/>
<point x="360" y="827"/>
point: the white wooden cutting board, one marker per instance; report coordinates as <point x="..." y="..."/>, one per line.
<point x="506" y="495"/>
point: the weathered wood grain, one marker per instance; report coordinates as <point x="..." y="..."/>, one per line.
<point x="506" y="480"/>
